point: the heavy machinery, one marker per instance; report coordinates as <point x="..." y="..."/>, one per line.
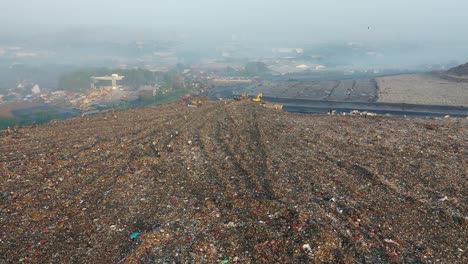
<point x="273" y="106"/>
<point x="199" y="101"/>
<point x="258" y="98"/>
<point x="196" y="102"/>
<point x="93" y="97"/>
<point x="85" y="105"/>
<point x="243" y="97"/>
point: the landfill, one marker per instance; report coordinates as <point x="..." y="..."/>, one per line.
<point x="234" y="182"/>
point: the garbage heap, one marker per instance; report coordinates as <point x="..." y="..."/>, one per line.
<point x="234" y="182"/>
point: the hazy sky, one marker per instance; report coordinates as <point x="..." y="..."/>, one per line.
<point x="388" y="19"/>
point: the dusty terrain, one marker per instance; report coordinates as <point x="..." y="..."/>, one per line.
<point x="422" y="89"/>
<point x="233" y="182"/>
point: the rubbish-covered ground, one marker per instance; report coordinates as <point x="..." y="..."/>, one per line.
<point x="233" y="182"/>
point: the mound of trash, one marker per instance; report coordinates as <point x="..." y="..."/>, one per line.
<point x="234" y="182"/>
<point x="461" y="70"/>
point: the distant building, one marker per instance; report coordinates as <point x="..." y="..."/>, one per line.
<point x="36" y="89"/>
<point x="226" y="54"/>
<point x="299" y="50"/>
<point x="147" y="93"/>
<point x="14" y="97"/>
<point x="374" y="54"/>
<point x="289" y="50"/>
<point x="113" y="78"/>
<point x="302" y="67"/>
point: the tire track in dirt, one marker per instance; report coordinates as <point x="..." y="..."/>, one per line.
<point x="189" y="128"/>
<point x="336" y="194"/>
<point x="376" y="90"/>
<point x="338" y="83"/>
<point x="240" y="172"/>
<point x="261" y="173"/>
<point x="390" y="187"/>
<point x="294" y="85"/>
<point x="202" y="136"/>
<point x="252" y="166"/>
<point x="92" y="183"/>
<point x="117" y="171"/>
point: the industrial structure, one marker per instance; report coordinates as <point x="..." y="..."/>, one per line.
<point x="113" y="78"/>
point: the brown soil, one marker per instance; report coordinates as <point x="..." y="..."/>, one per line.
<point x="422" y="89"/>
<point x="238" y="182"/>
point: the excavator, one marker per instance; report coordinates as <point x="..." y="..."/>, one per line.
<point x="258" y="98"/>
<point x="243" y="97"/>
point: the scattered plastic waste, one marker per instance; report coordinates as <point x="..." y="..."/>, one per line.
<point x="224" y="261"/>
<point x="390" y="241"/>
<point x="262" y="187"/>
<point x="443" y="199"/>
<point x="135" y="235"/>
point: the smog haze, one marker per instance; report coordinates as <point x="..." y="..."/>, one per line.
<point x="296" y="20"/>
<point x="354" y="35"/>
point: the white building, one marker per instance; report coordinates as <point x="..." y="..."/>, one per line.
<point x="36" y="89"/>
<point x="302" y="67"/>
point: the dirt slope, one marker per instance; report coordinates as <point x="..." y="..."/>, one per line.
<point x="461" y="70"/>
<point x="422" y="89"/>
<point x="234" y="182"/>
